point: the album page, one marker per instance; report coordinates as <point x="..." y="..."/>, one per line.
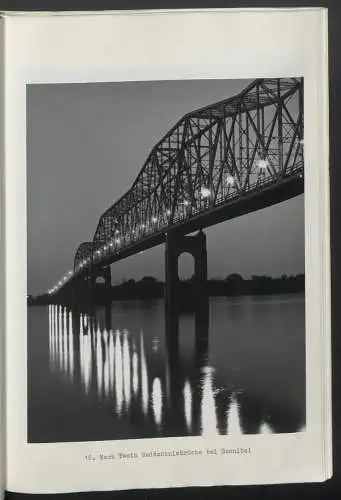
<point x="167" y="246"/>
<point x="2" y="274"/>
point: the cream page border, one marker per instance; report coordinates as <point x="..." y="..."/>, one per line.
<point x="148" y="45"/>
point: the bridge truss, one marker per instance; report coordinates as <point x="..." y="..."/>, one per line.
<point x="211" y="156"/>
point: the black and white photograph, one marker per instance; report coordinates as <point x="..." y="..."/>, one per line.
<point x="165" y="259"/>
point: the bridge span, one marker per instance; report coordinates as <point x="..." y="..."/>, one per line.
<point x="216" y="163"/>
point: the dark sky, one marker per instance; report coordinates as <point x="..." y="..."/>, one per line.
<point x="86" y="145"/>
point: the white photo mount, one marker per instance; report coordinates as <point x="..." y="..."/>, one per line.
<point x="140" y="46"/>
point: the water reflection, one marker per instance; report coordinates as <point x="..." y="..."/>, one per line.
<point x="265" y="428"/>
<point x="208" y="406"/>
<point x="233" y="417"/>
<point x="188" y="405"/>
<point x="85" y="361"/>
<point x="126" y="370"/>
<point x="135" y="372"/>
<point x="161" y="384"/>
<point x="157" y="401"/>
<point x="118" y="381"/>
<point x="144" y="376"/>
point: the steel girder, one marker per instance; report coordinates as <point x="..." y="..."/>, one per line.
<point x="211" y="156"/>
<point x="83" y="256"/>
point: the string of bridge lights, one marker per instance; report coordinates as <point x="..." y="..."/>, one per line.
<point x="205" y="192"/>
<point x="61" y="282"/>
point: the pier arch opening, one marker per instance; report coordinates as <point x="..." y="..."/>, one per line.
<point x="186" y="266"/>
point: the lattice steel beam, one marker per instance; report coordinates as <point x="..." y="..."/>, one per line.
<point x="211" y="157"/>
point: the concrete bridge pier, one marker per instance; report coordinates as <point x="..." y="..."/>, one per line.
<point x="188" y="295"/>
<point x="91" y="289"/>
<point x="100" y="286"/>
<point x="107" y="316"/>
<point x="87" y="292"/>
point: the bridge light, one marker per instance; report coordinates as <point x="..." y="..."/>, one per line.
<point x="118" y="241"/>
<point x="154" y="219"/>
<point x="205" y="192"/>
<point x="117" y="231"/>
<point x="111" y="244"/>
<point x="262" y="165"/>
<point x="60" y="283"/>
<point x="186" y="203"/>
<point x="301" y="142"/>
<point x="143" y="226"/>
<point x="70" y="273"/>
<point x="168" y="212"/>
<point x="230" y="181"/>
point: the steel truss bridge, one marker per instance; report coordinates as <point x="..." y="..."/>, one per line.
<point x="218" y="162"/>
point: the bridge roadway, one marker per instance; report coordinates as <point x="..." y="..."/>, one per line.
<point x="261" y="196"/>
<point x="257" y="197"/>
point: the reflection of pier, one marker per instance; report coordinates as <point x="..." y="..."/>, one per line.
<point x="185" y="398"/>
<point x="149" y="385"/>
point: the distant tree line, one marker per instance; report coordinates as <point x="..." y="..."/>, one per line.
<point x="145" y="288"/>
<point x="234" y="284"/>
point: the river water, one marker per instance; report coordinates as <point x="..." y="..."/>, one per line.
<point x="114" y="375"/>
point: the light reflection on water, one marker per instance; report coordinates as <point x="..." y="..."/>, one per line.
<point x="265" y="429"/>
<point x="188" y="405"/>
<point x="233" y="417"/>
<point x="144" y="376"/>
<point x="157" y="401"/>
<point x="208" y="407"/>
<point x="118" y="381"/>
<point x="131" y="376"/>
